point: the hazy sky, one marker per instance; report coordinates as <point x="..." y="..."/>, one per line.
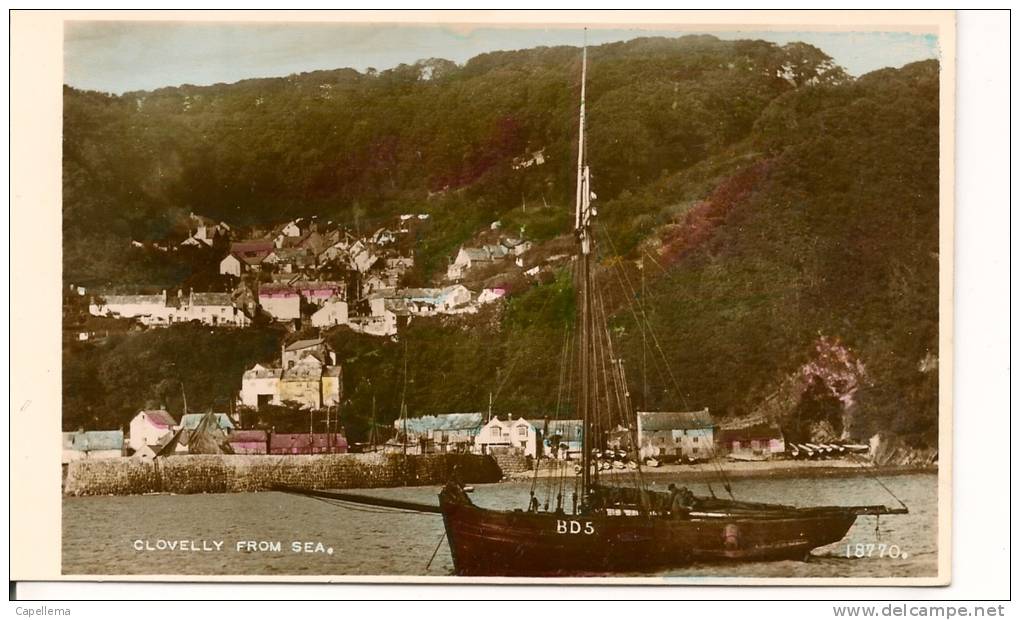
<point x="124" y="56"/>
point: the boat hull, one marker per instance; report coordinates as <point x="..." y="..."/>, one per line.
<point x="516" y="543"/>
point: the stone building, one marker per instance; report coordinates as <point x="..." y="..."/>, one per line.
<point x="307" y="376"/>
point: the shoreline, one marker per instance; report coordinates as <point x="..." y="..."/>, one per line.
<point x="739" y="470"/>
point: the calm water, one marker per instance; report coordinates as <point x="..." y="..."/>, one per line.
<point x="101" y="533"/>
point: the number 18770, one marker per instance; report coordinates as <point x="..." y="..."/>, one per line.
<point x="874" y="550"/>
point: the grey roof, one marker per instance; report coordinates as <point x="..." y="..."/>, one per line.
<point x="191" y="421"/>
<point x="132" y="299"/>
<point x="568" y="430"/>
<point x="442" y="422"/>
<point x="477" y="254"/>
<point x="674" y="420"/>
<point x="304" y="344"/>
<point x="93" y="440"/>
<point x="211" y="299"/>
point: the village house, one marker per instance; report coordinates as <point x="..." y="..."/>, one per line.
<point x="307" y="443"/>
<point x="260" y="386"/>
<point x="520" y="435"/>
<point x="245" y="256"/>
<point x="290" y="260"/>
<point x="535" y="158"/>
<point x="91" y="445"/>
<point x="149" y="309"/>
<point x="383" y="236"/>
<point x="515" y="246"/>
<point x="318" y="292"/>
<point x="231" y="265"/>
<point x="148" y="427"/>
<point x="336" y="245"/>
<point x="751" y="440"/>
<point x="385" y="316"/>
<point x="466" y="259"/>
<point x="280" y="301"/>
<point x="443" y="433"/>
<point x="491" y="294"/>
<point x="308" y="377"/>
<point x="362" y="258"/>
<point x="679" y="435"/>
<point x="315" y="347"/>
<point x="561" y="439"/>
<point x="331" y="314"/>
<point x="206" y="229"/>
<point x="215" y="309"/>
<point x="249" y="442"/>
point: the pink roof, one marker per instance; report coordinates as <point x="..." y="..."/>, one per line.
<point x="159" y="418"/>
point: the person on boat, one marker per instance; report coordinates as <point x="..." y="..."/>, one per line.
<point x="533" y="503"/>
<point x="680" y="501"/>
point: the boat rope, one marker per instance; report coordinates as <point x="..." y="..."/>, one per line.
<point x="564" y="354"/>
<point x="866" y="467"/>
<point x="436" y="550"/>
<point x="644" y="323"/>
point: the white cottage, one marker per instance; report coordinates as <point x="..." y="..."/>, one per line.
<point x="520" y="435"/>
<point x="333" y="312"/>
<point x="149" y="427"/>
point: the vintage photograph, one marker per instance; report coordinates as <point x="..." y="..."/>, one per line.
<point x="441" y="301"/>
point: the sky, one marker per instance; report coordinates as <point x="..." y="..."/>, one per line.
<point x="124" y="56"/>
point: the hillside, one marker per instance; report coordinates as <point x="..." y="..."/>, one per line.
<point x="785" y="216"/>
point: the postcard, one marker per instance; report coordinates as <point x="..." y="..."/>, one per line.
<point x="446" y="297"/>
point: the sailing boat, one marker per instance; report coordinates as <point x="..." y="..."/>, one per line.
<point x="624" y="529"/>
<point x="612" y="528"/>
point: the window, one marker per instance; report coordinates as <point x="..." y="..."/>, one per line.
<point x="522" y="431"/>
<point x="695" y="439"/>
<point x="494" y="431"/>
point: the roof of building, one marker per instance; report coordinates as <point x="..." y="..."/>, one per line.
<point x="158" y="417"/>
<point x="328" y="307"/>
<point x="568" y="430"/>
<point x="87" y="441"/>
<point x="476" y="254"/>
<point x="248" y="436"/>
<point x="277" y="289"/>
<point x="256" y="245"/>
<point x="495" y="250"/>
<point x="258" y="371"/>
<point x="286" y="441"/>
<point x="442" y="422"/>
<point x="762" y="430"/>
<point x="133" y="299"/>
<point x="292" y="254"/>
<point x="674" y="420"/>
<point x="304" y="344"/>
<point x="191" y="421"/>
<point x="211" y="299"/>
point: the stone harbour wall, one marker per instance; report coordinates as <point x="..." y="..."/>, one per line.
<point x="236" y="473"/>
<point x="511" y="464"/>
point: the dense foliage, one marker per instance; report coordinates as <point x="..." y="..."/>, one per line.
<point x="771" y="198"/>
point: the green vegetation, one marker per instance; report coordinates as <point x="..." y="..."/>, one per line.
<point x="776" y="209"/>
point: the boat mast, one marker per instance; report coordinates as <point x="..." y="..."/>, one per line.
<point x="582" y="225"/>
